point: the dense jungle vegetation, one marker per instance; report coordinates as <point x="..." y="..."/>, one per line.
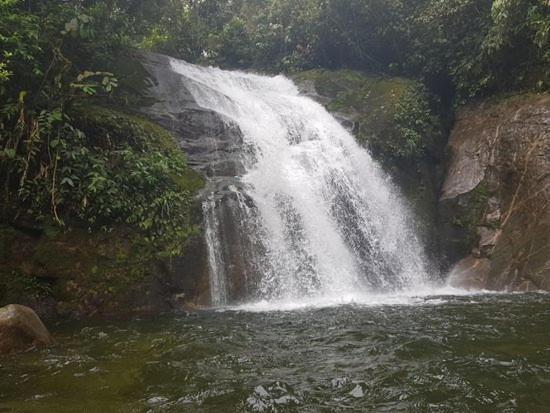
<point x="61" y="168"/>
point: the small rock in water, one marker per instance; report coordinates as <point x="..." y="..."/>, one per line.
<point x="156" y="401"/>
<point x="357" y="391"/>
<point x="339" y="382"/>
<point x="41" y="396"/>
<point x="261" y="391"/>
<point x="288" y="399"/>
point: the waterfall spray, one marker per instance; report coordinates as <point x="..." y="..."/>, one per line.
<point x="321" y="217"/>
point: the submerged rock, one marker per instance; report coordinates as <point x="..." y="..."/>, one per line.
<point x="21" y="329"/>
<point x="495" y="203"/>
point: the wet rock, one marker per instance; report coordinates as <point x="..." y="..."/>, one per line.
<point x="488" y="238"/>
<point x="157" y="401"/>
<point x="213" y="145"/>
<point x="211" y="141"/>
<point x="495" y="202"/>
<point x="470" y="273"/>
<point x="357" y="391"/>
<point x="21" y="329"/>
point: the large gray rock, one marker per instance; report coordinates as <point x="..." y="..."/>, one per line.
<point x="21" y="329"/>
<point x="213" y="145"/>
<point x="495" y="203"/>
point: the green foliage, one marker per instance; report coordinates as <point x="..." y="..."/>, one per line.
<point x="128" y="177"/>
<point x="462" y="48"/>
<point x="59" y="162"/>
<point x="93" y="167"/>
<point x="19" y="43"/>
<point x="89" y="82"/>
<point x="395" y="115"/>
<point x="415" y="122"/>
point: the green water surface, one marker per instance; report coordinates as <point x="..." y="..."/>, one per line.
<point x="482" y="353"/>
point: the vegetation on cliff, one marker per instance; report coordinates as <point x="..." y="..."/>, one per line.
<point x="76" y="165"/>
<point x="74" y="157"/>
<point x="395" y="116"/>
<point x="460" y="48"/>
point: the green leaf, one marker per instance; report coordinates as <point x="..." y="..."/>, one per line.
<point x="68" y="181"/>
<point x="71" y="26"/>
<point x="10" y="153"/>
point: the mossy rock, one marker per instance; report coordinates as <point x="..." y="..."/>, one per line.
<point x="79" y="274"/>
<point x="394" y="116"/>
<point x="83" y="269"/>
<point x="133" y="80"/>
<point x="21" y="281"/>
<point x="111" y="127"/>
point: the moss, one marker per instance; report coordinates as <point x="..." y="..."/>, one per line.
<point x="111" y="127"/>
<point x="84" y="268"/>
<point x="19" y="277"/>
<point x="16" y="286"/>
<point x="7" y="235"/>
<point x="394" y="115"/>
<point x="87" y="272"/>
<point x="190" y="180"/>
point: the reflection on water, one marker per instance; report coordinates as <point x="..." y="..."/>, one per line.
<point x="454" y="353"/>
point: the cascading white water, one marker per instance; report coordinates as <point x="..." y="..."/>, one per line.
<point x="329" y="221"/>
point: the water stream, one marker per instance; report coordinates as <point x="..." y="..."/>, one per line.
<point x="322" y="221"/>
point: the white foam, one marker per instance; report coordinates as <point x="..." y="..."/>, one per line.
<point x="333" y="227"/>
<point x="422" y="297"/>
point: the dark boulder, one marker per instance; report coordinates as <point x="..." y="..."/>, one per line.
<point x="21" y="330"/>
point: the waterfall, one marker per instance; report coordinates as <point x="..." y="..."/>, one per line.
<point x="316" y="216"/>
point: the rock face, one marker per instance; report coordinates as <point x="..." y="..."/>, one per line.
<point x="213" y="145"/>
<point x="495" y="202"/>
<point x="470" y="273"/>
<point x="390" y="116"/>
<point x="211" y="142"/>
<point x="21" y="329"/>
